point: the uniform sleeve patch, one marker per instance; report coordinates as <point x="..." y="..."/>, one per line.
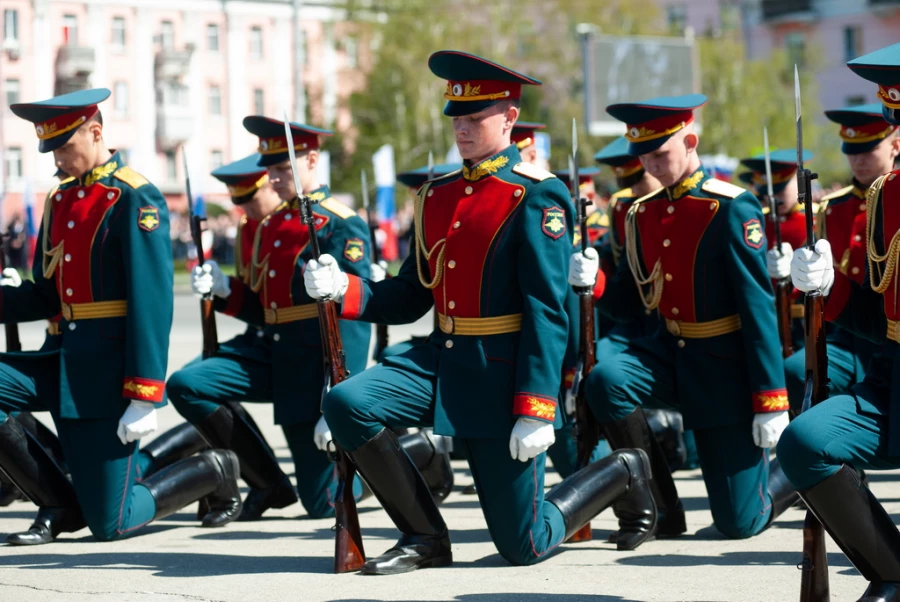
<point x="148" y="218"/>
<point x="753" y="234"/>
<point x="553" y="223"/>
<point x="354" y="250"/>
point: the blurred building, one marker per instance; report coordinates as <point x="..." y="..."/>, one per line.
<point x="183" y="74"/>
<point x="823" y="34"/>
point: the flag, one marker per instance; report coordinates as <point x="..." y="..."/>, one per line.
<point x="30" y="224"/>
<point x="385" y="209"/>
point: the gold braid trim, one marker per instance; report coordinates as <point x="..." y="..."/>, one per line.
<point x="880" y="280"/>
<point x="654" y="280"/>
<point x="418" y="217"/>
<point x="238" y="249"/>
<point x="50" y="257"/>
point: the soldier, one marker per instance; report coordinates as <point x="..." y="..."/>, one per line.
<point x="524" y="139"/>
<point x="696" y="253"/>
<point x="824" y="447"/>
<point x="791" y="218"/>
<point x="106" y="265"/>
<point x="489" y="240"/>
<point x="868" y="142"/>
<point x="283" y="366"/>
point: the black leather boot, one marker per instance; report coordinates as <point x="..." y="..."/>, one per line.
<point x="668" y="428"/>
<point x="862" y="528"/>
<point x="35" y="472"/>
<point x="406" y="497"/>
<point x="9" y="493"/>
<point x="633" y="431"/>
<point x="434" y="464"/>
<point x="211" y="474"/>
<point x="230" y="427"/>
<point x="781" y="492"/>
<point x="44" y="436"/>
<point x="620" y="480"/>
<point x="175" y="444"/>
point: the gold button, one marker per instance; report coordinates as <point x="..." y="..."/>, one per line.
<point x="675" y="311"/>
<point x="671" y="209"/>
<point x="273" y="305"/>
<point x="667" y="242"/>
<point x="271" y="273"/>
<point x="276" y="337"/>
<point x="456" y="225"/>
<point x="448" y="344"/>
<point x="468" y="190"/>
<point x="854" y="270"/>
<point x="277" y="243"/>
<point x="80" y="194"/>
<point x="668" y="277"/>
<point x="58" y="196"/>
<point x="712" y="206"/>
<point x="111" y="195"/>
<point x="451" y="264"/>
<point x="68" y="257"/>
<point x="71" y="224"/>
<point x="288" y="216"/>
<point x="69" y="292"/>
<point x="517" y="193"/>
<point x="618" y="207"/>
<point x="71" y="325"/>
<point x="680" y="343"/>
<point x="452" y="304"/>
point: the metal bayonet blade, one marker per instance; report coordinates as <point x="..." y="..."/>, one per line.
<point x="289" y="140"/>
<point x="768" y="165"/>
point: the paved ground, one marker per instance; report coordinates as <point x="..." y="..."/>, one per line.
<point x="288" y="557"/>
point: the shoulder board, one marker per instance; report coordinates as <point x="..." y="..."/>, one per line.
<point x="766" y="210"/>
<point x="445" y="176"/>
<point x="722" y="188"/>
<point x="625" y="192"/>
<point x="598" y="218"/>
<point x="842" y="192"/>
<point x="130" y="177"/>
<point x="648" y="197"/>
<point x="532" y="172"/>
<point x="66" y="180"/>
<point x="338" y="208"/>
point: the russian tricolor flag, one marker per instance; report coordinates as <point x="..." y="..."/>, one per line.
<point x="385" y="208"/>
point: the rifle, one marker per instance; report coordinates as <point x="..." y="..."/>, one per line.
<point x="381" y="330"/>
<point x="13" y="343"/>
<point x="783" y="287"/>
<point x="814" y="581"/>
<point x="207" y="312"/>
<point x="586" y="429"/>
<point x="348" y="545"/>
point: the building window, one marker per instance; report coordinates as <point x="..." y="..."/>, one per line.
<point x="167" y="35"/>
<point x="171" y="166"/>
<point x="256" y="42"/>
<point x="795" y="45"/>
<point x="70" y="30"/>
<point x="216" y="159"/>
<point x="852" y="42"/>
<point x="118" y="33"/>
<point x="13" y="91"/>
<point x="855" y="100"/>
<point x="14" y="163"/>
<point x="351" y="53"/>
<point x="215" y="100"/>
<point x="676" y="17"/>
<point x="10" y="24"/>
<point x="259" y="101"/>
<point x="120" y="96"/>
<point x="212" y="37"/>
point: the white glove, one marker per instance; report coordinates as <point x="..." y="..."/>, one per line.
<point x="324" y="279"/>
<point x="583" y="268"/>
<point x="322" y="436"/>
<point x="209" y="278"/>
<point x="529" y="438"/>
<point x="138" y="421"/>
<point x="813" y="270"/>
<point x="378" y="271"/>
<point x="10" y="277"/>
<point x="570" y="401"/>
<point x="779" y="264"/>
<point x="767" y="428"/>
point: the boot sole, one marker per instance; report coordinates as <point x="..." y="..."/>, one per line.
<point x="431" y="563"/>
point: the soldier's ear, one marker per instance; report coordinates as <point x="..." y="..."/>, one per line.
<point x="512" y="115"/>
<point x="691" y="140"/>
<point x="96" y="131"/>
<point x="312" y="159"/>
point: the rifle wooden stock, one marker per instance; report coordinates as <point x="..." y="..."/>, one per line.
<point x="208" y="323"/>
<point x="814" y="566"/>
<point x="783" y="301"/>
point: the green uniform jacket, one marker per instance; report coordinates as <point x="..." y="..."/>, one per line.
<point x="498" y="237"/>
<point x="700" y="246"/>
<point x="294" y="348"/>
<point x="104" y="237"/>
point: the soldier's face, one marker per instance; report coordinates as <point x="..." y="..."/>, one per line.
<point x="866" y="167"/>
<point x="667" y="163"/>
<point x="486" y="133"/>
<point x="529" y="154"/>
<point x="79" y="153"/>
<point x="786" y="200"/>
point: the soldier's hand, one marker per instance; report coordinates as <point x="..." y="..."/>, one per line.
<point x="322" y="436"/>
<point x="779" y="264"/>
<point x="813" y="270"/>
<point x="767" y="428"/>
<point x="324" y="279"/>
<point x="138" y="421"/>
<point x="10" y="277"/>
<point x="583" y="268"/>
<point x="529" y="438"/>
<point x="209" y="278"/>
<point x="379" y="271"/>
